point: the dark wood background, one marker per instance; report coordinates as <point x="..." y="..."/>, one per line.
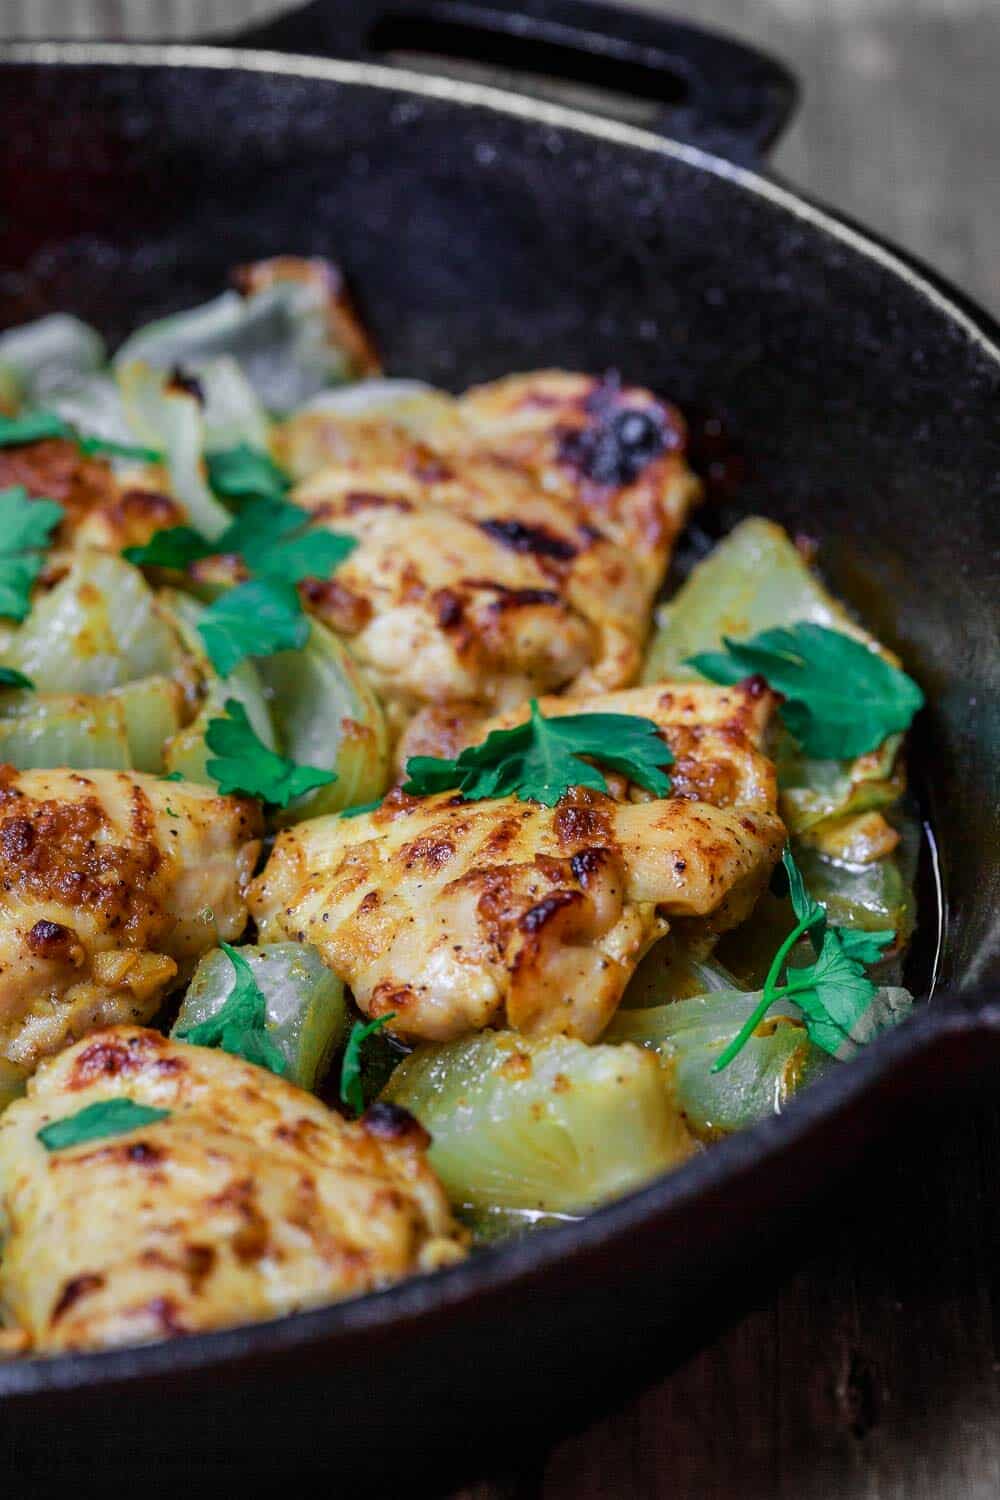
<point x="871" y="1371"/>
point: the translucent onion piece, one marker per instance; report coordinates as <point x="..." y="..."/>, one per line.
<point x="306" y="1011"/>
<point x="165" y="417"/>
<point x="187" y="752"/>
<point x="44" y="356"/>
<point x="64" y="730"/>
<point x="326" y="715"/>
<point x="99" y="628"/>
<point x="231" y="412"/>
<point x="154" y="713"/>
<point x="94" y="405"/>
<point x="279" y="336"/>
<point x="691" y="1033"/>
<point x="553" y="1126"/>
<point x="753" y="580"/>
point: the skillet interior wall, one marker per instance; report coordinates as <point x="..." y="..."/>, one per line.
<point x="870" y="421"/>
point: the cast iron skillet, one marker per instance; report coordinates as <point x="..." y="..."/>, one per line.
<point x="487" y="233"/>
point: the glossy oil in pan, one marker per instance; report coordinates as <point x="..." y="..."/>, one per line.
<point x="486" y="233"/>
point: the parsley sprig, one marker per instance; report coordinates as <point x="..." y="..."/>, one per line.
<point x="239" y="1025"/>
<point x="33" y="426"/>
<point x="95" y="1122"/>
<point x="26" y="528"/>
<point x="539" y="760"/>
<point x="842" y="699"/>
<point x="246" y="766"/>
<point x="278" y="550"/>
<point x="243" y="473"/>
<point x="351" y="1087"/>
<point x="268" y="534"/>
<point x="834" y="992"/>
<point x="253" y="619"/>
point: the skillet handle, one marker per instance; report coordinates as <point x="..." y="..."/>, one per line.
<point x="704" y="88"/>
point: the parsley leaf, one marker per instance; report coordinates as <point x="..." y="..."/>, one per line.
<point x="248" y="767"/>
<point x="11" y="677"/>
<point x="834" y="992"/>
<point x="26" y="528"/>
<point x="314" y="554"/>
<point x="98" y="445"/>
<point x="32" y="427"/>
<point x="253" y="619"/>
<point x="809" y="914"/>
<point x="360" y="808"/>
<point x="351" y="1090"/>
<point x="242" y="473"/>
<point x="263" y="534"/>
<point x="174" y="547"/>
<point x="841" y="698"/>
<point x="105" y="1117"/>
<point x="239" y="1025"/>
<point x="540" y="760"/>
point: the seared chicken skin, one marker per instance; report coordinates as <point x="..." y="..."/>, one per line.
<point x="101" y="509"/>
<point x="452" y="916"/>
<point x="510" y="542"/>
<point x="113" y="884"/>
<point x="249" y="1200"/>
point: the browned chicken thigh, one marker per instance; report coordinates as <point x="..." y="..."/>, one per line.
<point x="248" y="1199"/>
<point x="510" y="542"/>
<point x="113" y="884"/>
<point x="453" y="915"/>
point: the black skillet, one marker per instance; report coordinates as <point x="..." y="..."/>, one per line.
<point x="487" y="233"/>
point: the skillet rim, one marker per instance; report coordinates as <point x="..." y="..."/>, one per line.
<point x="502" y="1270"/>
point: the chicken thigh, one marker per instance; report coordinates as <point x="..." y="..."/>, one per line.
<point x="450" y="916"/>
<point x="113" y="884"/>
<point x="247" y="1200"/>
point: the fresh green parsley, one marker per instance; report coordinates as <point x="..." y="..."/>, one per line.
<point x="172" y="776"/>
<point x="11" y="677"/>
<point x="313" y="554"/>
<point x="841" y="698"/>
<point x="360" y="808"/>
<point x="239" y="1025"/>
<point x="351" y="1089"/>
<point x="98" y="445"/>
<point x="33" y="426"/>
<point x="174" y="547"/>
<point x="539" y="760"/>
<point x="247" y="766"/>
<point x="254" y="619"/>
<point x="106" y="1117"/>
<point x="268" y="534"/>
<point x="243" y="473"/>
<point x="26" y="528"/>
<point x="834" y="992"/>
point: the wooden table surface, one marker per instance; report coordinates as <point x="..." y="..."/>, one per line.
<point x="872" y="1374"/>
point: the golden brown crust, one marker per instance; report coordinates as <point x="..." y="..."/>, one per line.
<point x="453" y="916"/>
<point x="100" y="509"/>
<point x="509" y="543"/>
<point x="251" y="1199"/>
<point x="111" y="884"/>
